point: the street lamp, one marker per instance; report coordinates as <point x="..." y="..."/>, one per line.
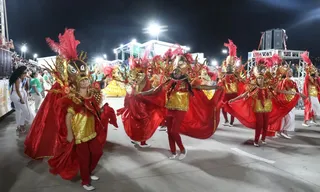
<point x="24" y="49"/>
<point x="105" y="56"/>
<point x="133" y="41"/>
<point x="99" y="60"/>
<point x="224" y="51"/>
<point x="214" y="62"/>
<point x="35" y="56"/>
<point x="154" y="30"/>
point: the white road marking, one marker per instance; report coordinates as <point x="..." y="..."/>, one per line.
<point x="252" y="156"/>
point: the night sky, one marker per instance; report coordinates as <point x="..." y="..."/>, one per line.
<point x="102" y="25"/>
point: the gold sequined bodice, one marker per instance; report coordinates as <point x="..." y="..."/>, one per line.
<point x="83" y="126"/>
<point x="313" y="91"/>
<point x="231" y="87"/>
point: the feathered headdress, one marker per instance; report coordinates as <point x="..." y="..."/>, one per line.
<point x="232" y="48"/>
<point x="310" y="69"/>
<point x="276" y="59"/>
<point x="232" y="53"/>
<point x="71" y="66"/>
<point x="258" y="58"/>
<point x="67" y="46"/>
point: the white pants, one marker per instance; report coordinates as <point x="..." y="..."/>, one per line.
<point x="37" y="101"/>
<point x="315" y="105"/>
<point x="22" y="111"/>
<point x="288" y="122"/>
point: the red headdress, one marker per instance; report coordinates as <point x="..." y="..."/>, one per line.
<point x="258" y="58"/>
<point x="310" y="69"/>
<point x="67" y="46"/>
<point x="107" y="70"/>
<point x="268" y="62"/>
<point x="306" y="58"/>
<point x="168" y="54"/>
<point x="232" y="48"/>
<point x="276" y="59"/>
<point x="179" y="52"/>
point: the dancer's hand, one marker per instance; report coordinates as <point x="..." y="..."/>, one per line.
<point x="69" y="137"/>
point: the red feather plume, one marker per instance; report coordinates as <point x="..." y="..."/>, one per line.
<point x="269" y="62"/>
<point x="232" y="48"/>
<point x="276" y="59"/>
<point x="258" y="58"/>
<point x="67" y="46"/>
<point x="306" y="58"/>
<point x="108" y="70"/>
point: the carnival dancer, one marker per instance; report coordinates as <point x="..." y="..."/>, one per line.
<point x="311" y="91"/>
<point x="177" y="90"/>
<point x="266" y="108"/>
<point x="231" y="83"/>
<point x="82" y="124"/>
<point x="140" y="119"/>
<point x="19" y="97"/>
<point x="288" y="122"/>
<point x="115" y="87"/>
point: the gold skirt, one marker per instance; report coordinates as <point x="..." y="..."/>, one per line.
<point x="114" y="89"/>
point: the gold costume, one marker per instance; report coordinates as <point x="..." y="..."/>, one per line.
<point x="178" y="101"/>
<point x="259" y="108"/>
<point x="231" y="87"/>
<point x="114" y="89"/>
<point x="209" y="93"/>
<point x="83" y="126"/>
<point x="289" y="97"/>
<point x="313" y="91"/>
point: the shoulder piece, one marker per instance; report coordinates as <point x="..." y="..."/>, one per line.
<point x="96" y="94"/>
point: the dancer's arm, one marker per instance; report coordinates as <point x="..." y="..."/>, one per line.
<point x="151" y="91"/>
<point x="239" y="97"/>
<point x="207" y="87"/>
<point x="69" y="127"/>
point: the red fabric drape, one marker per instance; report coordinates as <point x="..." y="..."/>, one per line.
<point x="202" y="118"/>
<point x="140" y="119"/>
<point x="243" y="110"/>
<point x="42" y="137"/>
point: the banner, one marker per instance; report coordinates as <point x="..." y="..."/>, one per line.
<point x="5" y="102"/>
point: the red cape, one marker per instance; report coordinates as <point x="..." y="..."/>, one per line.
<point x="140" y="119"/>
<point x="283" y="85"/>
<point x="42" y="137"/>
<point x="203" y="116"/>
<point x="243" y="110"/>
<point x="65" y="162"/>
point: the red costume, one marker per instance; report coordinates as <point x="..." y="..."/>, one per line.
<point x="310" y="87"/>
<point x="285" y="84"/>
<point x="231" y="82"/>
<point x="88" y="122"/>
<point x="42" y="137"/>
<point x="140" y="119"/>
<point x="261" y="107"/>
<point x="196" y="116"/>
